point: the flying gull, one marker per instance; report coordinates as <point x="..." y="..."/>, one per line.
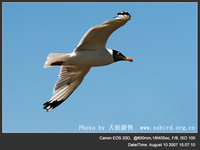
<point x="90" y="52"/>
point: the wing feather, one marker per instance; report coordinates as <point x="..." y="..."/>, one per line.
<point x="70" y="78"/>
<point x="97" y="36"/>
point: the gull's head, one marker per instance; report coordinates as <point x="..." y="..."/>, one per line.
<point x="117" y="56"/>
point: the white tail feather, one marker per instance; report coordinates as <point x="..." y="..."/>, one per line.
<point x="54" y="57"/>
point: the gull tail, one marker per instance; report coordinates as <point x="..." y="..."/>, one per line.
<point x="55" y="59"/>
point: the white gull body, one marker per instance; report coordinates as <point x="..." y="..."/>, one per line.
<point x="90" y="52"/>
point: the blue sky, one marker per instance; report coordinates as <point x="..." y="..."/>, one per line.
<point x="157" y="90"/>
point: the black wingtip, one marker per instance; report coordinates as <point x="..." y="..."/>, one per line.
<point x="124" y="13"/>
<point x="51" y="105"/>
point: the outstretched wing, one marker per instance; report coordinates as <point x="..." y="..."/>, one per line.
<point x="97" y="36"/>
<point x="70" y="78"/>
